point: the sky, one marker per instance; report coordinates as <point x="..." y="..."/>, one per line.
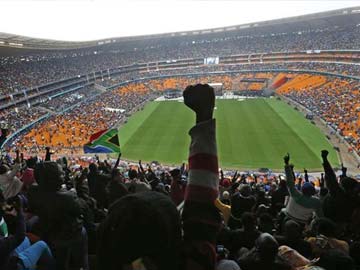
<point x="81" y="20"/>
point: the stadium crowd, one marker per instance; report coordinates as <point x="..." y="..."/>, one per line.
<point x="114" y="215"/>
<point x="336" y="102"/>
<point x="67" y="100"/>
<point x="33" y="95"/>
<point x="67" y="132"/>
<point x="331" y="98"/>
<point x="34" y="69"/>
<point x="84" y="103"/>
<point x="17" y="119"/>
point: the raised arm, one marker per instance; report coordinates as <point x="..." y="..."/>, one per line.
<point x="200" y="217"/>
<point x="306" y="175"/>
<point x="330" y="176"/>
<point x="290" y="179"/>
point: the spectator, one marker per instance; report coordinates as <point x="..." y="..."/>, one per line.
<point x="293" y="238"/>
<point x="9" y="183"/>
<point x="241" y="201"/>
<point x="264" y="256"/>
<point x="342" y="200"/>
<point x="302" y="205"/>
<point x="16" y="251"/>
<point x="59" y="212"/>
<point x="325" y="238"/>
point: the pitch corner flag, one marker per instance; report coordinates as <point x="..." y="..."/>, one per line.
<point x="105" y="141"/>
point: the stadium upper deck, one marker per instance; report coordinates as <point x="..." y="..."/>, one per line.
<point x="24" y="68"/>
<point x="324" y="21"/>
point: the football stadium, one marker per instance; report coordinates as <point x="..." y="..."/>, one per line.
<point x="234" y="147"/>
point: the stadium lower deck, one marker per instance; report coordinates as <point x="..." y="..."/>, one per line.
<point x="67" y="130"/>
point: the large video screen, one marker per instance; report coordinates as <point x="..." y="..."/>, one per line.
<point x="211" y="61"/>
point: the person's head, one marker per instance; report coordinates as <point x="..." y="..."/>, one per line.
<point x="4" y="168"/>
<point x="245" y="190"/>
<point x="226" y="195"/>
<point x="31" y="162"/>
<point x="132" y="174"/>
<point x="248" y="220"/>
<point x="292" y="230"/>
<point x="115" y="190"/>
<point x="266" y="223"/>
<point x="116" y="175"/>
<point x="141" y="225"/>
<point x="82" y="190"/>
<point x="333" y="259"/>
<point x="326" y="227"/>
<point x="308" y="189"/>
<point x="282" y="184"/>
<point x="221" y="252"/>
<point x="93" y="168"/>
<point x="349" y="185"/>
<point x="323" y="192"/>
<point x="226" y="183"/>
<point x="267" y="247"/>
<point x="49" y="175"/>
<point x="262" y="209"/>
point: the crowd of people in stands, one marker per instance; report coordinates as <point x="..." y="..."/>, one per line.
<point x="108" y="215"/>
<point x="331" y="98"/>
<point x="81" y="105"/>
<point x="336" y="103"/>
<point x="19" y="118"/>
<point x="32" y="95"/>
<point x="26" y="71"/>
<point x="67" y="132"/>
<point x="69" y="99"/>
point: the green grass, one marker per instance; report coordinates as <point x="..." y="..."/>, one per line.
<point x="251" y="134"/>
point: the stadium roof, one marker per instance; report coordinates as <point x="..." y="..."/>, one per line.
<point x="11" y="43"/>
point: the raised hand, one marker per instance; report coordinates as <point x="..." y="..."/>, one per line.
<point x="324" y="154"/>
<point x="287" y="159"/>
<point x="48" y="154"/>
<point x="343" y="169"/>
<point x="201" y="99"/>
<point x="306" y="175"/>
<point x="17" y="159"/>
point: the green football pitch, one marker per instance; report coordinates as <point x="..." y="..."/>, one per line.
<point x="251" y="134"/>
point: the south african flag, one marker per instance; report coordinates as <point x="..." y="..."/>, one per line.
<point x="105" y="141"/>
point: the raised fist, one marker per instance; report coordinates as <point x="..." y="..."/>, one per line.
<point x="287" y="158"/>
<point x="324" y="154"/>
<point x="201" y="99"/>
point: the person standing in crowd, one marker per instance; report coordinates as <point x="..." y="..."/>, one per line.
<point x="301" y="205"/>
<point x="60" y="220"/>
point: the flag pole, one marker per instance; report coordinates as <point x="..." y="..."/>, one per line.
<point x="117" y="161"/>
